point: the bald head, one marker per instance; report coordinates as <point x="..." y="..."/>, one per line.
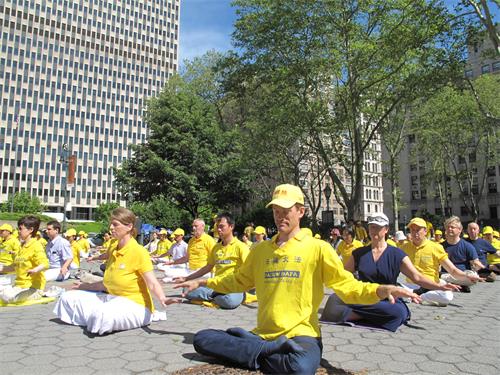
<point x="473" y="231"/>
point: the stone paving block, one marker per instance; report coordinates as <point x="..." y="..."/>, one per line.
<point x="40" y="350"/>
<point x="452" y="349"/>
<point x="138" y="355"/>
<point x="446" y="358"/>
<point x="73" y="352"/>
<point x="108" y="365"/>
<point x="385" y="349"/>
<point x="353" y="349"/>
<point x="438" y="368"/>
<point x="74" y="371"/>
<point x="38" y="370"/>
<point x="69" y="362"/>
<point x="485" y="358"/>
<point x="397" y="367"/>
<point x="11" y="357"/>
<point x="373" y="357"/>
<point x="357" y="365"/>
<point x="135" y="347"/>
<point x="477" y="368"/>
<point x="39" y="359"/>
<point x="409" y="357"/>
<point x="141" y="366"/>
<point x="105" y="353"/>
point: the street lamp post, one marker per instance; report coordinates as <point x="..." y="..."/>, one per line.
<point x="64" y="160"/>
<point x="328" y="193"/>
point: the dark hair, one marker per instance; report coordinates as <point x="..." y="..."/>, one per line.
<point x="55" y="224"/>
<point x="226" y="215"/>
<point x="350" y="231"/>
<point x="30" y="222"/>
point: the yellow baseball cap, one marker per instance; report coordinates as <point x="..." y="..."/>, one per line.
<point x="418" y="222"/>
<point x="163" y="231"/>
<point x="286" y="196"/>
<point x="82" y="233"/>
<point x="70" y="232"/>
<point x="7" y="227"/>
<point x="260" y="230"/>
<point x="178" y="232"/>
<point x="487" y="230"/>
<point x="496" y="234"/>
<point x="438" y="232"/>
<point x="318" y="236"/>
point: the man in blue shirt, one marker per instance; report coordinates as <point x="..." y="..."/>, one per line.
<point x="58" y="252"/>
<point x="461" y="253"/>
<point x="482" y="247"/>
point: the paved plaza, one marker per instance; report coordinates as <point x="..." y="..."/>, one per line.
<point x="463" y="338"/>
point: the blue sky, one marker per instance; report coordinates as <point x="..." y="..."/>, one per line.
<point x="205" y="25"/>
<point x="208" y="24"/>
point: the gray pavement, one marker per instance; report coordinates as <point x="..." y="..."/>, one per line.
<point x="462" y="338"/>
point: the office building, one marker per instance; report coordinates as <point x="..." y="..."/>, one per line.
<point x="78" y="73"/>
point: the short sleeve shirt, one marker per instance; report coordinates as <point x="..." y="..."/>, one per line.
<point x="483" y="248"/>
<point x="461" y="254"/>
<point x="198" y="250"/>
<point x="384" y="271"/>
<point x="227" y="258"/>
<point x="124" y="269"/>
<point x="58" y="251"/>
<point x="345" y="250"/>
<point x="426" y="258"/>
<point x="8" y="250"/>
<point x="30" y="255"/>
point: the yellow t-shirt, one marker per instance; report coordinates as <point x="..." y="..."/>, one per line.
<point x="391" y="243"/>
<point x="162" y="248"/>
<point x="345" y="250"/>
<point x="227" y="259"/>
<point x="124" y="270"/>
<point x="289" y="280"/>
<point x="30" y="255"/>
<point x="43" y="241"/>
<point x="429" y="229"/>
<point x="439" y="242"/>
<point x="492" y="258"/>
<point x="360" y="233"/>
<point x="426" y="258"/>
<point x="75" y="249"/>
<point x="84" y="244"/>
<point x="198" y="250"/>
<point x="8" y="250"/>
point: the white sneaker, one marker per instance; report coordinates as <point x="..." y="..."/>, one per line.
<point x="433" y="303"/>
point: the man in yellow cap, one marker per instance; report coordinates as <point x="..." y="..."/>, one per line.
<point x="289" y="273"/>
<point x="438" y="236"/>
<point x="428" y="257"/>
<point x="75" y="248"/>
<point x="177" y="251"/>
<point x="163" y="244"/>
<point x="84" y="244"/>
<point x="9" y="246"/>
<point x="259" y="234"/>
<point x="493" y="259"/>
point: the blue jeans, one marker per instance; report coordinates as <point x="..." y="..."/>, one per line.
<point x="224" y="301"/>
<point x="244" y="349"/>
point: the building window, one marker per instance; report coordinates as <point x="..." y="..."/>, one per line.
<point x="493" y="212"/>
<point x="491" y="172"/>
<point x="485" y="69"/>
<point x="464" y="211"/>
<point x="492" y="187"/>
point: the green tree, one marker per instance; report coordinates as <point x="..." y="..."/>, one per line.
<point x="189" y="158"/>
<point x="459" y="138"/>
<point x="330" y="73"/>
<point x="23" y="203"/>
<point x="103" y="212"/>
<point x="161" y="212"/>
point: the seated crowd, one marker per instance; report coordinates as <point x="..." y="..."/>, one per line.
<point x="373" y="276"/>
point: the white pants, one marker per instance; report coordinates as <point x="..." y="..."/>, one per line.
<point x="101" y="312"/>
<point x="450" y="279"/>
<point x="53" y="274"/>
<point x="442" y="297"/>
<point x="173" y="271"/>
<point x="16" y="294"/>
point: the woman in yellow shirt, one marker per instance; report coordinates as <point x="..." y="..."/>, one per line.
<point x="29" y="262"/>
<point x="348" y="244"/>
<point x="128" y="280"/>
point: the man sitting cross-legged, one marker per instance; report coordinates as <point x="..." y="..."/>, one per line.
<point x="289" y="273"/>
<point x="226" y="257"/>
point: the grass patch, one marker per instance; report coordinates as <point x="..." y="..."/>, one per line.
<point x="86" y="227"/>
<point x="15" y="216"/>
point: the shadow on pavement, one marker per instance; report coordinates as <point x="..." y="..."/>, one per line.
<point x="188" y="336"/>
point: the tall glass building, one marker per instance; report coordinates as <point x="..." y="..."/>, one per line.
<point x="75" y="75"/>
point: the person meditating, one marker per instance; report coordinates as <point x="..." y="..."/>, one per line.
<point x="378" y="263"/>
<point x="123" y="300"/>
<point x="289" y="273"/>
